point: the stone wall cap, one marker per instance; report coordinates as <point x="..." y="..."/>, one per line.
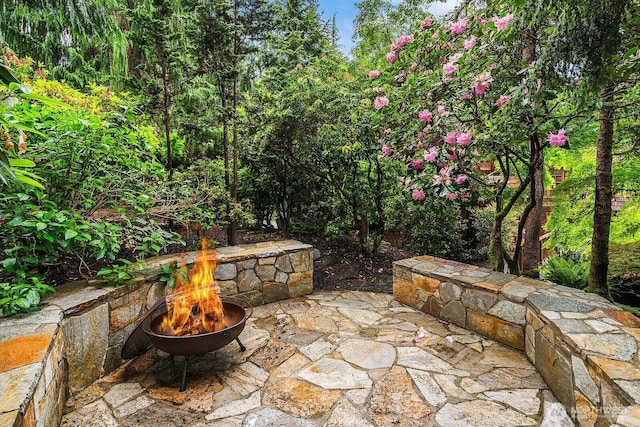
<point x="74" y="299"/>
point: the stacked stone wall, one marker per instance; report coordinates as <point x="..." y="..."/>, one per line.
<point x="79" y="335"/>
<point x="584" y="347"/>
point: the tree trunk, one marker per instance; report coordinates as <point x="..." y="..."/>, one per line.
<point x="233" y="226"/>
<point x="496" y="247"/>
<point x="531" y="247"/>
<point x="227" y="181"/>
<point x="166" y="103"/>
<point x="602" y="211"/>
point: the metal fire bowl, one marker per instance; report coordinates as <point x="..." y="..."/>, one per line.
<point x="197" y="345"/>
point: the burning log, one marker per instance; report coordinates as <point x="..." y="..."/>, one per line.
<point x="195" y="307"/>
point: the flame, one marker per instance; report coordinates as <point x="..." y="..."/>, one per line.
<point x="195" y="306"/>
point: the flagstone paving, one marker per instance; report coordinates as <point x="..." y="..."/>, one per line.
<point x="329" y="359"/>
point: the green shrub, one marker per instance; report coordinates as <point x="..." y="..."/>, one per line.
<point x="566" y="272"/>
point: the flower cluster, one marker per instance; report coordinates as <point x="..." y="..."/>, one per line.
<point x="443" y="115"/>
<point x="557" y="140"/>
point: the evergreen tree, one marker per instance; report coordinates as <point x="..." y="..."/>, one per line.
<point x="78" y="41"/>
<point x="157" y="31"/>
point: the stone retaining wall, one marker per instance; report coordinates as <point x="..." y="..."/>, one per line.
<point x="584" y="347"/>
<point x="79" y="334"/>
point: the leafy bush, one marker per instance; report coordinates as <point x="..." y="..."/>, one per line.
<point x="23" y="296"/>
<point x="566" y="272"/>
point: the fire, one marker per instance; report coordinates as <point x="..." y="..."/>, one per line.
<point x="195" y="306"/>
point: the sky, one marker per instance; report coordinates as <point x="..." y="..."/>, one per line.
<point x="345" y="12"/>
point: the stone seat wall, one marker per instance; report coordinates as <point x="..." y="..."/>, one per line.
<point x="584" y="347"/>
<point x="79" y="334"/>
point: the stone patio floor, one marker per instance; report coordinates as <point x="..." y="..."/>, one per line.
<point x="329" y="359"/>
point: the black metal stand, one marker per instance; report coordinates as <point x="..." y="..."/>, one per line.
<point x="183" y="387"/>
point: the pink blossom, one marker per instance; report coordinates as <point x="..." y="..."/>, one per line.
<point x="557" y="140"/>
<point x="479" y="88"/>
<point x="421" y="134"/>
<point x="391" y="57"/>
<point x="449" y="338"/>
<point x="459" y="26"/>
<point x="470" y="43"/>
<point x="452" y="157"/>
<point x="436" y="35"/>
<point x="417" y="164"/>
<point x="374" y="74"/>
<point x="474" y="188"/>
<point x="400" y="77"/>
<point x="465" y="197"/>
<point x="425" y="115"/>
<point x="464" y="139"/>
<point x="451" y="137"/>
<point x="380" y="102"/>
<point x="426" y="22"/>
<point x="502" y="100"/>
<point x="481" y="83"/>
<point x="475" y="153"/>
<point x="387" y="150"/>
<point x="445" y="172"/>
<point x="461" y="179"/>
<point x="502" y="23"/>
<point x="437" y="180"/>
<point x="414" y="66"/>
<point x="465" y="96"/>
<point x="442" y="111"/>
<point x="484" y="77"/>
<point x="401" y="41"/>
<point x="417" y="194"/>
<point x="431" y="155"/>
<point x="453" y="58"/>
<point x="452" y="197"/>
<point x="377" y="90"/>
<point x="387" y="132"/>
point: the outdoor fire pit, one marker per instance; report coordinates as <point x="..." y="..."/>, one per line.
<point x="193" y="320"/>
<point x="198" y="344"/>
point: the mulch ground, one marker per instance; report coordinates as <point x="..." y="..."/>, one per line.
<point x="342" y="265"/>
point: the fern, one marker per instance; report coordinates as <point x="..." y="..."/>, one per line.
<point x="565" y="272"/>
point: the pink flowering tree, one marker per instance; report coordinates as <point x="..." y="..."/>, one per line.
<point x="455" y="93"/>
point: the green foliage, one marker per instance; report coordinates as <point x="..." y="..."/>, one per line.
<point x="23" y="297"/>
<point x="36" y="232"/>
<point x="571" y="219"/>
<point x="171" y="274"/>
<point x="379" y="22"/>
<point x="79" y="40"/>
<point x="313" y="155"/>
<point x="624" y="259"/>
<point x="119" y="274"/>
<point x="12" y="166"/>
<point x="565" y="271"/>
